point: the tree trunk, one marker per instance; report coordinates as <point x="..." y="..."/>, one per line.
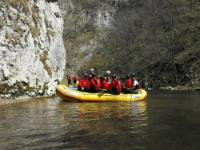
<point x="172" y="47"/>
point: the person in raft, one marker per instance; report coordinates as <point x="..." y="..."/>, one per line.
<point x="92" y="71"/>
<point x="94" y="83"/>
<point x="108" y="76"/>
<point x="69" y="79"/>
<point x="103" y="84"/>
<point x="75" y="80"/>
<point x="84" y="84"/>
<point x="115" y="86"/>
<point x="128" y="85"/>
<point x="136" y="84"/>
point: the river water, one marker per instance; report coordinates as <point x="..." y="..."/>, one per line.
<point x="166" y="121"/>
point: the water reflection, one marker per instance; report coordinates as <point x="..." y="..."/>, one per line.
<point x="170" y="119"/>
<point x="103" y="123"/>
<point x="74" y="125"/>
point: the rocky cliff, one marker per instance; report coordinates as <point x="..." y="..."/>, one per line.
<point x="86" y="24"/>
<point x="32" y="53"/>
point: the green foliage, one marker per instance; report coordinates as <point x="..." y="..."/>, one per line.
<point x="162" y="36"/>
<point x="157" y="39"/>
<point x="73" y="42"/>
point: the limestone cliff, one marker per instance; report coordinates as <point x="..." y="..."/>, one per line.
<point x="86" y="24"/>
<point x="32" y="53"/>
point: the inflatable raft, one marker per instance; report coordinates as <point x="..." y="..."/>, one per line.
<point x="72" y="94"/>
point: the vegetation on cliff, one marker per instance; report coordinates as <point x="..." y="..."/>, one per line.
<point x="157" y="39"/>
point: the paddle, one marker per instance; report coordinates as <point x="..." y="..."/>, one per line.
<point x="101" y="92"/>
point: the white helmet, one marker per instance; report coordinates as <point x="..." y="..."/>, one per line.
<point x="91" y="69"/>
<point x="108" y="72"/>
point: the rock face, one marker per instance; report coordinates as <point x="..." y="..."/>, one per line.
<point x="86" y="24"/>
<point x="32" y="53"/>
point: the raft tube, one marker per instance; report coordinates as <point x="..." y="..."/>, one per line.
<point x="72" y="94"/>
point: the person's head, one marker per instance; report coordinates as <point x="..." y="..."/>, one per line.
<point x="100" y="77"/>
<point x="128" y="76"/>
<point x="114" y="76"/>
<point x="108" y="72"/>
<point x="133" y="75"/>
<point x="93" y="75"/>
<point x="92" y="70"/>
<point x="89" y="76"/>
<point x="85" y="75"/>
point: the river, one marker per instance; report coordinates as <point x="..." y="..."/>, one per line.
<point x="166" y="121"/>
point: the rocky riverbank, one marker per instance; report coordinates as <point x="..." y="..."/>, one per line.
<point x="11" y="101"/>
<point x="180" y="88"/>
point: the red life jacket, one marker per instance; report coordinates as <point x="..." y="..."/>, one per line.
<point x="97" y="84"/>
<point x="116" y="86"/>
<point x="86" y="84"/>
<point x="128" y="83"/>
<point x="119" y="86"/>
<point x="81" y="84"/>
<point x="104" y="84"/>
<point x="113" y="84"/>
<point x="93" y="85"/>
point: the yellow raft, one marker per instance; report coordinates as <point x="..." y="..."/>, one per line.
<point x="71" y="94"/>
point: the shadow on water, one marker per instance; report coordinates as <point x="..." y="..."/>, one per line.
<point x="165" y="121"/>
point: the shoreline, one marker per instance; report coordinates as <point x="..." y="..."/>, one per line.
<point x="22" y="99"/>
<point x="179" y="88"/>
<point x="11" y="101"/>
